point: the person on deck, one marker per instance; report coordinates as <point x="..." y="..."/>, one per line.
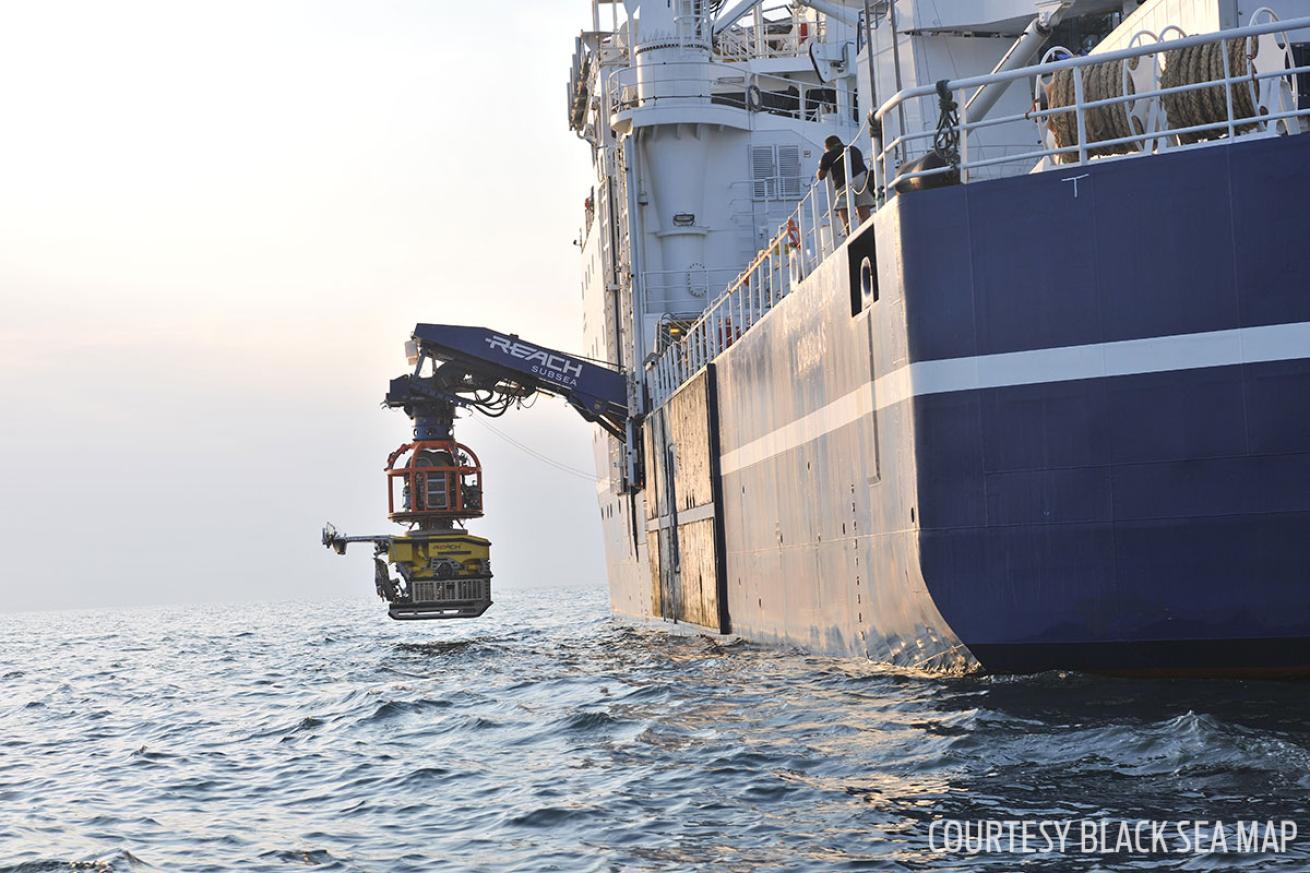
<point x="833" y="164"/>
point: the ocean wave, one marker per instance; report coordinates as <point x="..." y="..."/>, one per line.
<point x="547" y="735"/>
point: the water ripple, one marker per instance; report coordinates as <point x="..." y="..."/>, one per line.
<point x="548" y="736"/>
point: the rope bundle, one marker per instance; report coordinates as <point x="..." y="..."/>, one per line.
<point x="1185" y="66"/>
<point x="1204" y="63"/>
<point x="1100" y="82"/>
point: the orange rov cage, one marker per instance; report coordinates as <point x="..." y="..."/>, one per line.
<point x="441" y="480"/>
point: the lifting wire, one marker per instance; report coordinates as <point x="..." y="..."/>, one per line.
<point x="545" y="459"/>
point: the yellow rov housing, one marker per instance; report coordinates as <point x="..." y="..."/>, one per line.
<point x="448" y="574"/>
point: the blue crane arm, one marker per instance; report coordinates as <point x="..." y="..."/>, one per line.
<point x="598" y="392"/>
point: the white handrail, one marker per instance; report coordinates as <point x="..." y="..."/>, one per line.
<point x="626" y="86"/>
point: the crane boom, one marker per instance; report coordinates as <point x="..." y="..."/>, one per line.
<point x="597" y="391"/>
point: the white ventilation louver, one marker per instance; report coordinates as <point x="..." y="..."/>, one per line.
<point x="764" y="172"/>
<point x="789" y="172"/>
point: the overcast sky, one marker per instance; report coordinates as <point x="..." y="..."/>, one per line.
<point x="219" y="222"/>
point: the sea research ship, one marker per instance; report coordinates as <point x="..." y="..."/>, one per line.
<point x="1031" y="393"/>
<point x="953" y="335"/>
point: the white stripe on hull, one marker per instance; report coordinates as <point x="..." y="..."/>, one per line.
<point x="1193" y="351"/>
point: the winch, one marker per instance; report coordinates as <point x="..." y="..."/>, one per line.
<point x="434" y="483"/>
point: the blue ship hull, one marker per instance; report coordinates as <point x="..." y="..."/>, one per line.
<point x="1072" y="431"/>
<point x="1153" y="520"/>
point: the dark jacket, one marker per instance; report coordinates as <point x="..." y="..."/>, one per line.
<point x="833" y="163"/>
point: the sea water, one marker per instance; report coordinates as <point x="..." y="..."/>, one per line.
<point x="548" y="735"/>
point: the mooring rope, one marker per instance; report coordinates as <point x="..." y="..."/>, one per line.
<point x="1200" y="106"/>
<point x="946" y="141"/>
<point x="1204" y="63"/>
<point x="1102" y="123"/>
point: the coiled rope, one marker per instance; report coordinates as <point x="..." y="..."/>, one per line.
<point x="1100" y="82"/>
<point x="946" y="141"/>
<point x="1200" y="106"/>
<point x="1204" y="63"/>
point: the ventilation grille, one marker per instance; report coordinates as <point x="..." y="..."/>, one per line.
<point x="789" y="172"/>
<point x="764" y="172"/>
<point x="776" y="172"/>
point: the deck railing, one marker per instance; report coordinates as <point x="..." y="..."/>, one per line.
<point x="758" y="36"/>
<point x="688" y="83"/>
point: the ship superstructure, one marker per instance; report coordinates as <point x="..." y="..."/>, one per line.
<point x="1046" y="407"/>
